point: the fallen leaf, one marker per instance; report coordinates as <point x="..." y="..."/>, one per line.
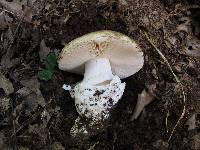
<point x="103" y="1"/>
<point x="2" y="137"/>
<point x="19" y="109"/>
<point x="143" y="99"/>
<point x="5" y="20"/>
<point x="29" y="98"/>
<point x="191" y="122"/>
<point x="6" y="85"/>
<point x="57" y="146"/>
<point x="123" y="2"/>
<point x="31" y="94"/>
<point x="151" y="88"/>
<point x="4" y="104"/>
<point x="8" y="51"/>
<point x="8" y="63"/>
<point x="193" y="47"/>
<point x="7" y="60"/>
<point x="44" y="50"/>
<point x="23" y="148"/>
<point x="194" y="53"/>
<point x="193" y="44"/>
<point x="161" y="145"/>
<point x="185" y="26"/>
<point x="33" y="84"/>
<point x="30" y="103"/>
<point x="23" y="92"/>
<point x="195" y="142"/>
<point x="18" y="9"/>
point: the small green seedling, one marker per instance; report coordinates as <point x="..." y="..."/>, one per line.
<point x="50" y="64"/>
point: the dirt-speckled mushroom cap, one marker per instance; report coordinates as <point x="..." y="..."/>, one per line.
<point x="126" y="58"/>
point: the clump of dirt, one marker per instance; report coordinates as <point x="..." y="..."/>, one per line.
<point x="38" y="114"/>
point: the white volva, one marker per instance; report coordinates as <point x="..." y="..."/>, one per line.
<point x="99" y="91"/>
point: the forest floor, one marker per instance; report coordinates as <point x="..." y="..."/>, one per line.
<point x="37" y="114"/>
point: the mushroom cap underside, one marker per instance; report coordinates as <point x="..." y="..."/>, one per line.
<point x="125" y="56"/>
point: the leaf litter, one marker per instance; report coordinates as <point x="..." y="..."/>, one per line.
<point x="57" y="21"/>
<point x="6" y="85"/>
<point x="5" y="20"/>
<point x="18" y="9"/>
<point x="31" y="93"/>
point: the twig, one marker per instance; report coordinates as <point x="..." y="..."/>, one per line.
<point x="177" y="81"/>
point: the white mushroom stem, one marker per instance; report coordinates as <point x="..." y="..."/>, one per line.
<point x="97" y="71"/>
<point x="99" y="91"/>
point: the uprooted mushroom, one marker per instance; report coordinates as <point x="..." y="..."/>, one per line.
<point x="104" y="57"/>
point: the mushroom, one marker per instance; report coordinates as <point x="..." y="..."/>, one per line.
<point x="103" y="57"/>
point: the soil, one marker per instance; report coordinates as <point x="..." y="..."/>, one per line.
<point x="39" y="114"/>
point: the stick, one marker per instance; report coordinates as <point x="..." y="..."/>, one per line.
<point x="177" y="81"/>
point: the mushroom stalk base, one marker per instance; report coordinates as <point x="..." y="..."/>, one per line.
<point x="97" y="94"/>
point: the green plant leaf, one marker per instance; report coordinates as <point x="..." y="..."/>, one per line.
<point x="45" y="74"/>
<point x="49" y="66"/>
<point x="51" y="61"/>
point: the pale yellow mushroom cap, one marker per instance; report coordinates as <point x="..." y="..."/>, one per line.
<point x="125" y="56"/>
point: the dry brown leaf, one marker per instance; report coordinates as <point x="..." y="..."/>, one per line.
<point x="5" y="20"/>
<point x="30" y="103"/>
<point x="23" y="92"/>
<point x="23" y="148"/>
<point x="161" y="145"/>
<point x="191" y="122"/>
<point x="2" y="137"/>
<point x="196" y="142"/>
<point x="7" y="60"/>
<point x="18" y="10"/>
<point x="8" y="63"/>
<point x="4" y="104"/>
<point x="193" y="44"/>
<point x="186" y="26"/>
<point x="194" y="53"/>
<point x="32" y="92"/>
<point x="193" y="47"/>
<point x="6" y="85"/>
<point x="44" y="50"/>
<point x="57" y="146"/>
<point x="33" y="84"/>
<point x="143" y="99"/>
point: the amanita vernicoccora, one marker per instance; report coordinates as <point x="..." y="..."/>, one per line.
<point x="103" y="57"/>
